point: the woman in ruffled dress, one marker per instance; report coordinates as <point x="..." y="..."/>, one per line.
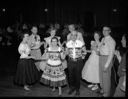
<point x="48" y="44"/>
<point x="54" y="74"/>
<point x="90" y="71"/>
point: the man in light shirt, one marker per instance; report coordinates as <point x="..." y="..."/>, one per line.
<point x="75" y="51"/>
<point x="73" y="31"/>
<point x="107" y="51"/>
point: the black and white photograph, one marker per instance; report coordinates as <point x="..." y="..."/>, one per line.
<point x="63" y="48"/>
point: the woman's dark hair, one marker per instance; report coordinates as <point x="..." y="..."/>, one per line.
<point x="51" y="29"/>
<point x="34" y="26"/>
<point x="97" y="32"/>
<point x="72" y="25"/>
<point x="22" y="36"/>
<point x="107" y="26"/>
<point x="55" y="38"/>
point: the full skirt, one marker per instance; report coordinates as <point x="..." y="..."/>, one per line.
<point x="90" y="70"/>
<point x="37" y="54"/>
<point x="26" y="73"/>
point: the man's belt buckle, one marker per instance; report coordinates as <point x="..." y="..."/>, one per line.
<point x="74" y="59"/>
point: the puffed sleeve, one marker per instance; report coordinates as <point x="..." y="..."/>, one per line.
<point x="92" y="43"/>
<point x="68" y="37"/>
<point x="58" y="38"/>
<point x="46" y="40"/>
<point x="21" y="48"/>
<point x="80" y="37"/>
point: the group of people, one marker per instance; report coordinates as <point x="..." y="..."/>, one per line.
<point x="57" y="57"/>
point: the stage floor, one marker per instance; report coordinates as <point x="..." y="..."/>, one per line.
<point x="8" y="89"/>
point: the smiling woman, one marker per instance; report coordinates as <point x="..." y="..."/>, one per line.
<point x="27" y="73"/>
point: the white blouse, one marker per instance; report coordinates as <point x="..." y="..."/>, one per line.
<point x="55" y="56"/>
<point x="24" y="50"/>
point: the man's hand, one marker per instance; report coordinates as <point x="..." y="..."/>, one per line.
<point x="105" y="67"/>
<point x="83" y="57"/>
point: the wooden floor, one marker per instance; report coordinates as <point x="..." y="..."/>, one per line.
<point x="8" y="89"/>
<point x="9" y="58"/>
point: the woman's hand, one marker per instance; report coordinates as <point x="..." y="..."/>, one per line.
<point x="44" y="56"/>
<point x="30" y="57"/>
<point x="66" y="52"/>
<point x="63" y="55"/>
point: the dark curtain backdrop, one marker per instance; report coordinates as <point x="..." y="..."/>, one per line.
<point x="87" y="12"/>
<point x="58" y="11"/>
<point x="64" y="12"/>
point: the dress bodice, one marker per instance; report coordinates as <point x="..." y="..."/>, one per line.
<point x="95" y="46"/>
<point x="54" y="56"/>
<point x="34" y="40"/>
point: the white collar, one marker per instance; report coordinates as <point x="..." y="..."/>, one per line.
<point x="107" y="36"/>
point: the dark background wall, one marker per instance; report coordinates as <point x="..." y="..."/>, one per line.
<point x="88" y="12"/>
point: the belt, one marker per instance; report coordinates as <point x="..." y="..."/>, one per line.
<point x="103" y="55"/>
<point x="35" y="49"/>
<point x="75" y="59"/>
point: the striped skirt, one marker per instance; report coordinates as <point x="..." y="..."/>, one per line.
<point x="53" y="75"/>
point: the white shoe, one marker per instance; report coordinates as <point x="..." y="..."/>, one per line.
<point x="95" y="87"/>
<point x="26" y="88"/>
<point x="90" y="85"/>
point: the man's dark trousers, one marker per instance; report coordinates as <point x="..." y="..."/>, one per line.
<point x="74" y="70"/>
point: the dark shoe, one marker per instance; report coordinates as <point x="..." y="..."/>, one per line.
<point x="105" y="95"/>
<point x="77" y="93"/>
<point x="60" y="95"/>
<point x="101" y="91"/>
<point x="71" y="91"/>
